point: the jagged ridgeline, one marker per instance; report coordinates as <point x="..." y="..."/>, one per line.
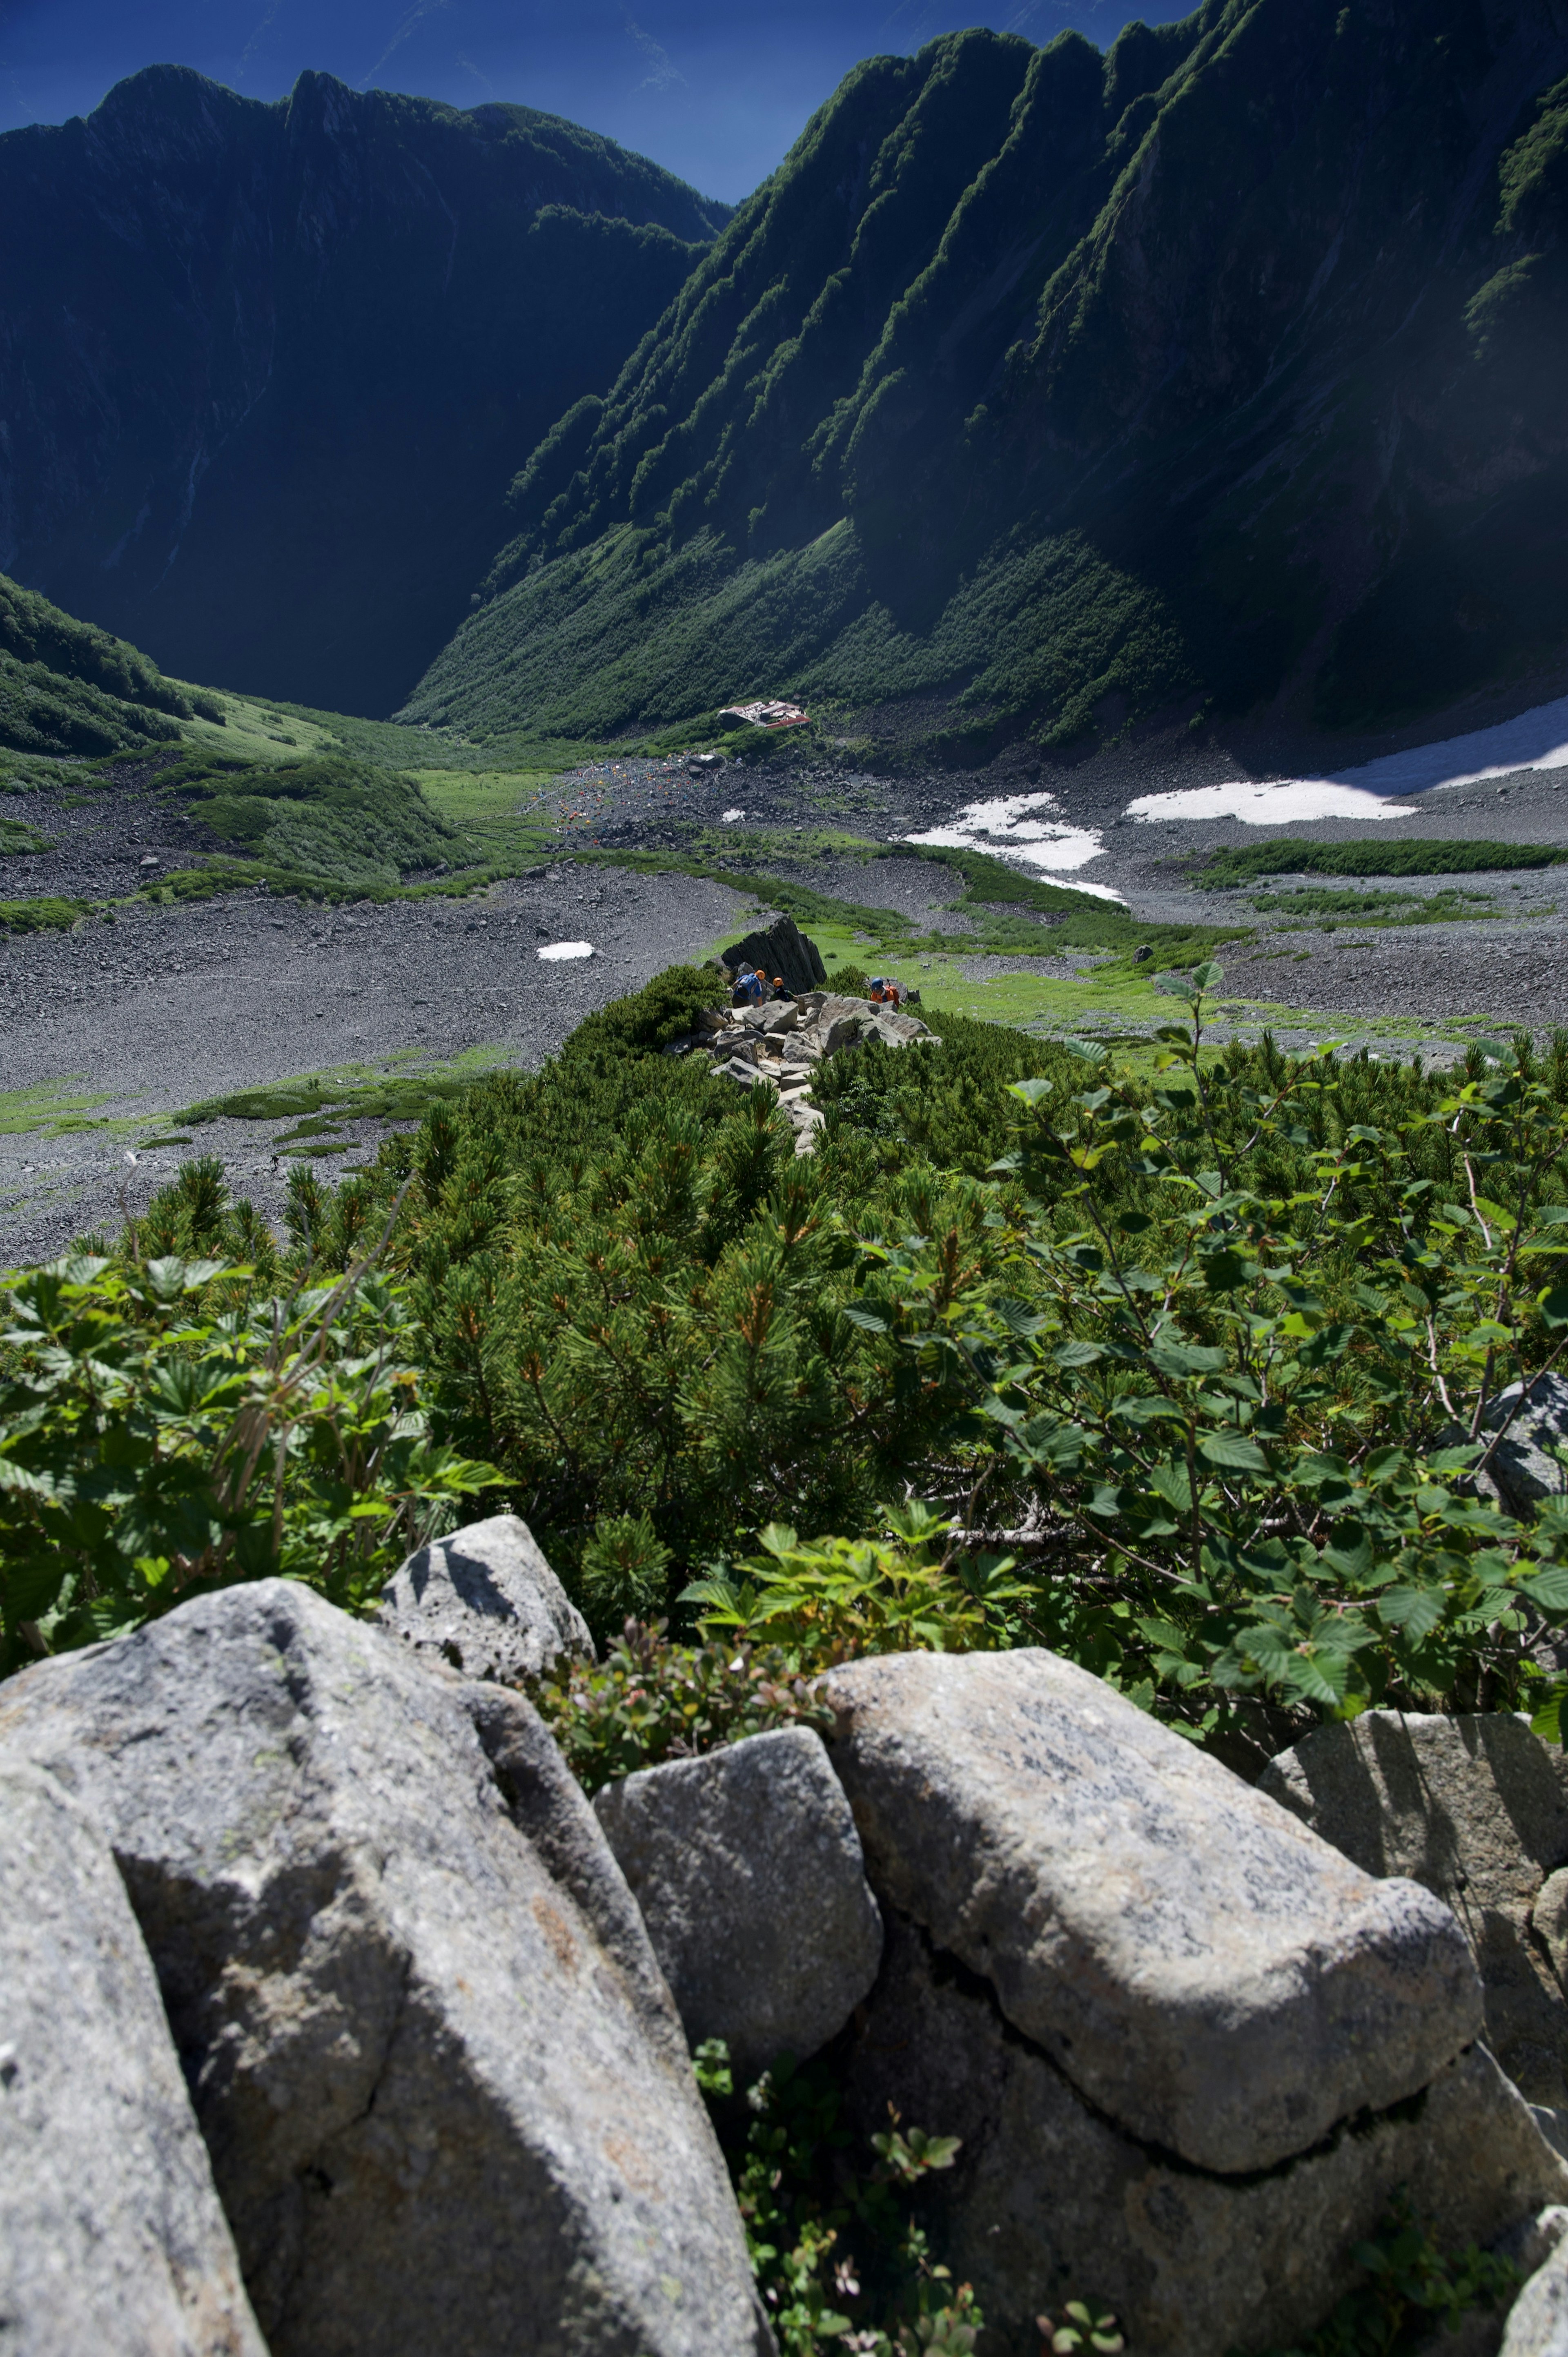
<point x="1042" y="390"/>
<point x="266" y="371"/>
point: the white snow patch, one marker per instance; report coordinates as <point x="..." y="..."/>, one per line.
<point x="730" y="817"/>
<point x="553" y="950"/>
<point x="1537" y="740"/>
<point x="1009" y="829"/>
<point x="1280" y="803"/>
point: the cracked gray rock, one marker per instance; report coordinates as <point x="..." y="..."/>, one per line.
<point x="1538" y="2321"/>
<point x="111" y="2235"/>
<point x="446" y="2098"/>
<point x="1205" y="1970"/>
<point x="1050" y="2200"/>
<point x="1476" y="1810"/>
<point x="486" y="1601"/>
<point x="747" y="1868"/>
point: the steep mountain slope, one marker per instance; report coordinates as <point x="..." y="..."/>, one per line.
<point x="266" y="371"/>
<point x="1038" y="389"/>
<point x="66" y="688"/>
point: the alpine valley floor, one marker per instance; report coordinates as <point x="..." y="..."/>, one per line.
<point x="292" y="1030"/>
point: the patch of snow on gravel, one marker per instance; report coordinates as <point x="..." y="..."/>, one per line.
<point x="1537" y="740"/>
<point x="1008" y="830"/>
<point x="552" y="950"/>
<point x="1283" y="804"/>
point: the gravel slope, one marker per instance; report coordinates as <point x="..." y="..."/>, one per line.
<point x="170" y="1005"/>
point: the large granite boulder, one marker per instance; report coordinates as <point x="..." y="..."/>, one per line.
<point x="484" y="1599"/>
<point x="1202" y="1969"/>
<point x="443" y="2111"/>
<point x="111" y="2236"/>
<point x="747" y="1868"/>
<point x="1476" y="1810"/>
<point x="783" y="950"/>
<point x="1538" y="2321"/>
<point x="1050" y="2199"/>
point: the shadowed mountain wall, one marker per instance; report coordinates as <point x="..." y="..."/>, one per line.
<point x="265" y="371"/>
<point x="1039" y="389"/>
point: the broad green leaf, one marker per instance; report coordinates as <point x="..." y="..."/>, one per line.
<point x="1185" y="1359"/>
<point x="1415" y="1610"/>
<point x="1233" y="1451"/>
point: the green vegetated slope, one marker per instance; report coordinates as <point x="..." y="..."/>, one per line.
<point x="1162" y="1305"/>
<point x="267" y="369"/>
<point x="1037" y="1349"/>
<point x="66" y="687"/>
<point x="275" y="799"/>
<point x="1038" y="389"/>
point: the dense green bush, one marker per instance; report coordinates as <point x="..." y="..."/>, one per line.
<point x="165" y="1430"/>
<point x="1437" y="855"/>
<point x="1209" y="1341"/>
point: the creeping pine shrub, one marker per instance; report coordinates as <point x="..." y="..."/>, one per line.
<point x="166" y="1430"/>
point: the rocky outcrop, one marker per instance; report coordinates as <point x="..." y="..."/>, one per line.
<point x="1050" y="2199"/>
<point x="1525" y="1463"/>
<point x="1191" y="2051"/>
<point x="1538" y="2321"/>
<point x="1216" y="1980"/>
<point x="111" y="2236"/>
<point x="783" y="951"/>
<point x="1476" y="1810"/>
<point x="486" y="1601"/>
<point x="441" y="2113"/>
<point x="747" y="1868"/>
<point x="784" y="1041"/>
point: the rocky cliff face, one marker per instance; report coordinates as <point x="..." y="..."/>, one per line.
<point x="265" y="371"/>
<point x="1060" y="388"/>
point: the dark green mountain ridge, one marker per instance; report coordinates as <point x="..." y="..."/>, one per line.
<point x="1041" y="391"/>
<point x="265" y="371"/>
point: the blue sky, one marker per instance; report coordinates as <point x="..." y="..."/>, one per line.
<point x="714" y="89"/>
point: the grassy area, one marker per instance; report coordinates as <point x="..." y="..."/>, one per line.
<point x="17" y="838"/>
<point x="1223" y="871"/>
<point x="50" y="1107"/>
<point x="1376" y="908"/>
<point x="401" y="1087"/>
<point x="47" y="913"/>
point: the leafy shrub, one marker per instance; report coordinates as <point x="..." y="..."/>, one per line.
<point x="801" y="2199"/>
<point x="834" y="1599"/>
<point x="1251" y="1385"/>
<point x="1413" y="2293"/>
<point x="164" y="1431"/>
<point x="651" y="1700"/>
